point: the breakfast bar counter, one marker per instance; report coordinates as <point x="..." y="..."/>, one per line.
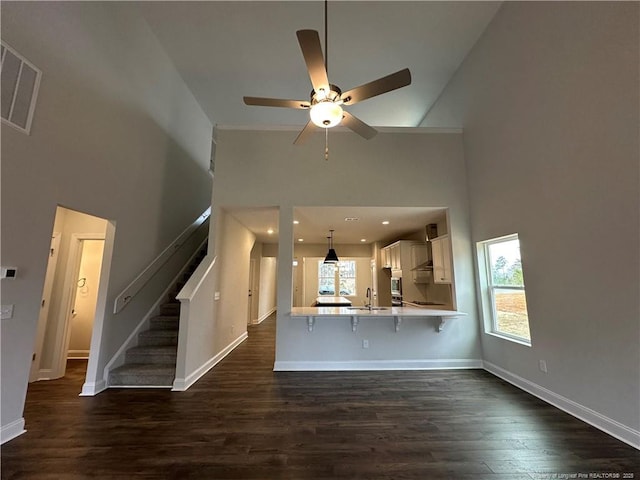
<point x="357" y="314"/>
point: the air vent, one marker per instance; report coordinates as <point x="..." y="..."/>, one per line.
<point x="19" y="82"/>
<point x="351" y="219"/>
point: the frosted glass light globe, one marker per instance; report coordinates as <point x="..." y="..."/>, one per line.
<point x="326" y="114"/>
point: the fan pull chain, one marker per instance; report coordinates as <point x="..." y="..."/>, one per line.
<point x="326" y="144"/>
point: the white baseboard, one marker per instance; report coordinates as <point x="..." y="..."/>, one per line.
<point x="182" y="384"/>
<point x="78" y="355"/>
<point x="89" y="389"/>
<point x="287" y="366"/>
<point x="12" y="430"/>
<point x="262" y="318"/>
<point x="601" y="422"/>
<point x="45" y="374"/>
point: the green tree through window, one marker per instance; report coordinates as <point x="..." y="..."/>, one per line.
<point x="504" y="300"/>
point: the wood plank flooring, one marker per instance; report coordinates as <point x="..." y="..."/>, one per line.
<point x="243" y="421"/>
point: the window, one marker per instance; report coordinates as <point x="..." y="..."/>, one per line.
<point x="342" y="274"/>
<point x="504" y="302"/>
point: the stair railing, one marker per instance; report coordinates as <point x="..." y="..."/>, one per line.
<point x="147" y="274"/>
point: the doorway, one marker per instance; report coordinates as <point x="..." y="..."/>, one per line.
<point x="253" y="293"/>
<point x="74" y="283"/>
<point x="83" y="308"/>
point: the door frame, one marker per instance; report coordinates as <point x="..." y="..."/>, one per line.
<point x="63" y="334"/>
<point x="253" y="292"/>
<point x="43" y="317"/>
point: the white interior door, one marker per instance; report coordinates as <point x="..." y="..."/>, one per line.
<point x="52" y="264"/>
<point x="252" y="293"/>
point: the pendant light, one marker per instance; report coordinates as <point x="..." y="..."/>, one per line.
<point x="331" y="257"/>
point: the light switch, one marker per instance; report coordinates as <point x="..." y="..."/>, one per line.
<point x="6" y="312"/>
<point x="216" y="296"/>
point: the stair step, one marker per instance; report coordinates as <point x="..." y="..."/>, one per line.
<point x="158" y="338"/>
<point x="153" y="362"/>
<point x="143" y="374"/>
<point x="170" y="309"/>
<point x="151" y="355"/>
<point x="164" y="322"/>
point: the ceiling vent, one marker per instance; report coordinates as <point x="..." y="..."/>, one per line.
<point x="19" y="80"/>
<point x="351" y="219"/>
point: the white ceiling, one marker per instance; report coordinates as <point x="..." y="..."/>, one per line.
<point x="225" y="50"/>
<point x="315" y="223"/>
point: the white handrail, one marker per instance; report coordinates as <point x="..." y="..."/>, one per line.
<point x="193" y="284"/>
<point x="147" y="274"/>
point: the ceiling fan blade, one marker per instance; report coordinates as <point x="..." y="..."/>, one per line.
<point x="308" y="129"/>
<point x="309" y="41"/>
<point x="358" y="126"/>
<point x="386" y="84"/>
<point x="276" y="102"/>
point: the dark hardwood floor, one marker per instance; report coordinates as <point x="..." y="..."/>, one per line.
<point x="243" y="421"/>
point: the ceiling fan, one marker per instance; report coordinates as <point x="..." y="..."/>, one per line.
<point x="327" y="100"/>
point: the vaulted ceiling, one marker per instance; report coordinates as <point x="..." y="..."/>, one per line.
<point x="226" y="50"/>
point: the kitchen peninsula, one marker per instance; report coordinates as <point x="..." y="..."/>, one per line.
<point x="356" y="314"/>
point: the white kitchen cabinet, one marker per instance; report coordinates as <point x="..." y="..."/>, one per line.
<point x="386" y="257"/>
<point x="396" y="259"/>
<point x="441" y="251"/>
<point x="391" y="256"/>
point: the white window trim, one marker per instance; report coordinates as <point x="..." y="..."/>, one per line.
<point x="487" y="300"/>
<point x="336" y="279"/>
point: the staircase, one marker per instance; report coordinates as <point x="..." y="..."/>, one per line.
<point x="152" y="363"/>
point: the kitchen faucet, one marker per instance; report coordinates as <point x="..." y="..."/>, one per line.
<point x="370" y="304"/>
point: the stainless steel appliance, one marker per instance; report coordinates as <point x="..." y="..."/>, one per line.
<point x="396" y="291"/>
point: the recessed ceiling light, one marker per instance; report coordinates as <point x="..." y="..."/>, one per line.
<point x="301" y="239"/>
<point x="296" y="222"/>
<point x="386" y="222"/>
<point x="363" y="239"/>
<point x="270" y="231"/>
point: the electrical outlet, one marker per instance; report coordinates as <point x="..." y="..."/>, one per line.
<point x="543" y="366"/>
<point x="365" y="343"/>
<point x="216" y="296"/>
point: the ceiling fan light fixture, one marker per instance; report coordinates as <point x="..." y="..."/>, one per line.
<point x="326" y="114"/>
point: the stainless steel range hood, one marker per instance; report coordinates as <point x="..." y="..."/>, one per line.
<point x="431" y="232"/>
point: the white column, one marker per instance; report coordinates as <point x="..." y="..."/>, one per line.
<point x="285" y="269"/>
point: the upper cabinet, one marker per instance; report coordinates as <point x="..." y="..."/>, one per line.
<point x="391" y="256"/>
<point x="405" y="255"/>
<point x="441" y="251"/>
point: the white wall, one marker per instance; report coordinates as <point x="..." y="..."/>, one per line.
<point x="116" y="134"/>
<point x="234" y="252"/>
<point x="393" y="169"/>
<point x="549" y="103"/>
<point x="268" y="287"/>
